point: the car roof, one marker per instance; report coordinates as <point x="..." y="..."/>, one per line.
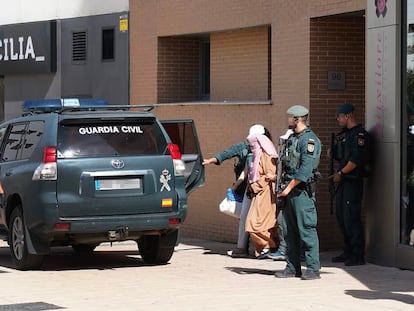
<point x="77" y="108"/>
<point x="64" y="105"/>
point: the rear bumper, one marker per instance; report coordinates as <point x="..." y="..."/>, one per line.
<point x="137" y="223"/>
<point x="41" y="218"/>
<point x="95" y="230"/>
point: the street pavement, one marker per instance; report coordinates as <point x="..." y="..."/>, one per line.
<point x="200" y="276"/>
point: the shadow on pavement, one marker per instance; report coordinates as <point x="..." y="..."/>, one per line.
<point x="64" y="258"/>
<point x="383" y="295"/>
<point x="382" y="282"/>
<point x="387" y="283"/>
<point x="239" y="270"/>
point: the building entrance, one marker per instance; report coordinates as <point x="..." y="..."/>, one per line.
<point x="337" y="75"/>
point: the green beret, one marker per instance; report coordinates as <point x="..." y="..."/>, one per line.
<point x="345" y="108"/>
<point x="297" y="111"/>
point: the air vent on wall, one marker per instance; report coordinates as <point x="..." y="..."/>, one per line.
<point x="79" y="46"/>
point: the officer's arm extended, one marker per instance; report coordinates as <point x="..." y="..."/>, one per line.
<point x="235" y="150"/>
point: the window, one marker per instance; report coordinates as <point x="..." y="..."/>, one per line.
<point x="108" y="44"/>
<point x="79" y="46"/>
<point x="14" y="143"/>
<point x="22" y="140"/>
<point x="182" y="134"/>
<point x="205" y="70"/>
<point x="103" y="139"/>
<point x="31" y="139"/>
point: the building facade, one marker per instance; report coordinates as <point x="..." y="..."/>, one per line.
<point x="53" y="49"/>
<point x="234" y="63"/>
<point x="227" y="65"/>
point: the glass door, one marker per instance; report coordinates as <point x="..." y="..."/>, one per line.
<point x="407" y="206"/>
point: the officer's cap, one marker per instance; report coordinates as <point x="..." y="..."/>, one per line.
<point x="345" y="108"/>
<point x="297" y="111"/>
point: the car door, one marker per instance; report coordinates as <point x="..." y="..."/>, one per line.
<point x="3" y="233"/>
<point x="183" y="133"/>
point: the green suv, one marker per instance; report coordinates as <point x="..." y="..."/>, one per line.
<point x="81" y="172"/>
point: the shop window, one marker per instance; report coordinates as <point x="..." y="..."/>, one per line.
<point x="79" y="46"/>
<point x="108" y="44"/>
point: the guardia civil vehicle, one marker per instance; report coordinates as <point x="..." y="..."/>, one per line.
<point x="79" y="172"/>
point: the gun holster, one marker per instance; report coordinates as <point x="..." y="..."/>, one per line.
<point x="280" y="202"/>
<point x="311" y="188"/>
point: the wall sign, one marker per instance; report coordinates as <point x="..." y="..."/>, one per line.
<point x="28" y="48"/>
<point x="123" y="23"/>
<point x="336" y="80"/>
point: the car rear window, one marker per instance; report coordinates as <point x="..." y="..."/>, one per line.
<point x="108" y="138"/>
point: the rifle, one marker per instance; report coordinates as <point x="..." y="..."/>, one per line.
<point x="331" y="186"/>
<point x="282" y="150"/>
<point x="278" y="189"/>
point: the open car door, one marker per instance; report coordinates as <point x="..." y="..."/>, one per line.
<point x="184" y="134"/>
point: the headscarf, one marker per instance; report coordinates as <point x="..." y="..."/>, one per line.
<point x="256" y="129"/>
<point x="258" y="144"/>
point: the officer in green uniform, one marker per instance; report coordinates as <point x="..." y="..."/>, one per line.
<point x="300" y="175"/>
<point x="350" y="150"/>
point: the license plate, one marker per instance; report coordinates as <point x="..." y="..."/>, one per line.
<point x="116" y="184"/>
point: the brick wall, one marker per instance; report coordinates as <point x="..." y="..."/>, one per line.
<point x="336" y="44"/>
<point x="220" y="125"/>
<point x="239" y="65"/>
<point x="178" y="71"/>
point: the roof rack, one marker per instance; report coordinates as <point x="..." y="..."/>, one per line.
<point x="37" y="106"/>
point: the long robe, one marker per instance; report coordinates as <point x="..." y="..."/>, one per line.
<point x="262" y="213"/>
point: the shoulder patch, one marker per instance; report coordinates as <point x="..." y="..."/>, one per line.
<point x="311" y="145"/>
<point x="361" y="139"/>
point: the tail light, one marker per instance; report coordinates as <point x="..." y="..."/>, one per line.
<point x="49" y="155"/>
<point x="174" y="151"/>
<point x="47" y="170"/>
<point x="174" y="221"/>
<point x="179" y="166"/>
<point x="61" y="226"/>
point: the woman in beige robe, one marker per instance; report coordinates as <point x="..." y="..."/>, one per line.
<point x="261" y="219"/>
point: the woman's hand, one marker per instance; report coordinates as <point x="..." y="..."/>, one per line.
<point x="270" y="177"/>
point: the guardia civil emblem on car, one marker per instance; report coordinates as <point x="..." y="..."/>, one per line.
<point x="117" y="163"/>
<point x="165" y="177"/>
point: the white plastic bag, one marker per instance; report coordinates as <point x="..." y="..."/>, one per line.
<point x="230" y="207"/>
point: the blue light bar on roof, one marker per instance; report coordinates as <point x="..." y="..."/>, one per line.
<point x="48" y="105"/>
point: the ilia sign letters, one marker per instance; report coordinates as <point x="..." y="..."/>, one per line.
<point x="28" y="48"/>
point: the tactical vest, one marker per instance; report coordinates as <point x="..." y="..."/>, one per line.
<point x="342" y="152"/>
<point x="291" y="158"/>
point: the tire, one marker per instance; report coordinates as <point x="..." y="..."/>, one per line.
<point x="18" y="244"/>
<point x="84" y="248"/>
<point x="157" y="249"/>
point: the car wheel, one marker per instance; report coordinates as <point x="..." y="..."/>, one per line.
<point x="84" y="248"/>
<point x="18" y="244"/>
<point x="157" y="249"/>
